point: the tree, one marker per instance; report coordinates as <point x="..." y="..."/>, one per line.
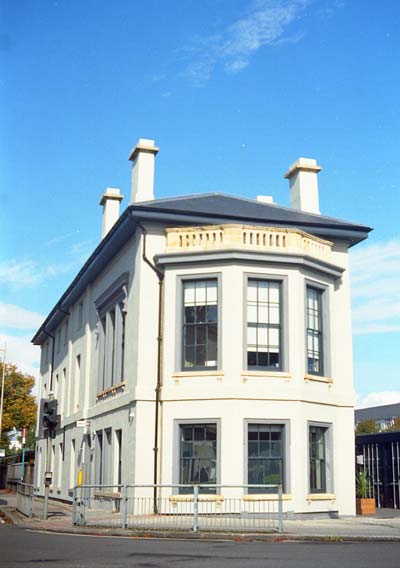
<point x="395" y="426"/>
<point x="19" y="404"/>
<point x="367" y="427"/>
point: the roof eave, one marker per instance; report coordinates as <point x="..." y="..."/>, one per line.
<point x="118" y="235"/>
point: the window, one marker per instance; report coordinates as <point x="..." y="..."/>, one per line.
<point x="264" y="324"/>
<point x="59" y="465"/>
<point x="200" y="324"/>
<point x="314" y="331"/>
<point x="197" y="455"/>
<point x="317" y="458"/>
<point x="76" y="385"/>
<point x="103" y="457"/>
<point x="63" y="406"/>
<point x="56" y="388"/>
<point x="58" y="338"/>
<point x="66" y="332"/>
<point x="118" y="457"/>
<point x="72" y="465"/>
<point x="265" y="448"/>
<point x="111" y="314"/>
<point x="79" y="318"/>
<point x="99" y="458"/>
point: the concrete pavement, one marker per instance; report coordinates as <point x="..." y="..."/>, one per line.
<point x="384" y="526"/>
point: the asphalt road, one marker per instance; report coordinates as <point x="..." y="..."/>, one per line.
<point x="20" y="548"/>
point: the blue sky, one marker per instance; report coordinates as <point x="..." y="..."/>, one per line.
<point x="232" y="92"/>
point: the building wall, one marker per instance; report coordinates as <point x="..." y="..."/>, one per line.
<point x="231" y="395"/>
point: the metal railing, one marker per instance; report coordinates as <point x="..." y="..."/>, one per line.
<point x="241" y="508"/>
<point x="25" y="495"/>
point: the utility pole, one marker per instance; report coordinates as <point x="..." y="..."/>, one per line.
<point x="23" y="454"/>
<point x="4" y="350"/>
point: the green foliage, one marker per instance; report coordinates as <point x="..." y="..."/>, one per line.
<point x="367" y="427"/>
<point x="395" y="426"/>
<point x="362" y="485"/>
<point x="19" y="405"/>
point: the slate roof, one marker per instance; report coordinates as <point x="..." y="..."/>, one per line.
<point x="218" y="206"/>
<point x="209" y="208"/>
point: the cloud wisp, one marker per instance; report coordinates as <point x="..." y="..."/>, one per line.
<point x="21" y="352"/>
<point x="26" y="273"/>
<point x="378" y="399"/>
<point x="265" y="24"/>
<point x="375" y="282"/>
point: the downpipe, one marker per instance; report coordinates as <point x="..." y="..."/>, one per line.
<point x="160" y="275"/>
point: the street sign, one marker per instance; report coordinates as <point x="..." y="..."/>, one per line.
<point x="2" y="453"/>
<point x="83" y="423"/>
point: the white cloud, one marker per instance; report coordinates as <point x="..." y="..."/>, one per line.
<point x="27" y="273"/>
<point x="12" y="316"/>
<point x="265" y="24"/>
<point x="19" y="274"/>
<point x="375" y="281"/>
<point x="21" y="352"/>
<point x="378" y="399"/>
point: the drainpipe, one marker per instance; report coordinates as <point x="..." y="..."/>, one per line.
<point x="160" y="275"/>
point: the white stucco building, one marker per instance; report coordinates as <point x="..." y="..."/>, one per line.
<point x="208" y="338"/>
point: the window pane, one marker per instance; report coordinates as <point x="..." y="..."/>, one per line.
<point x="190" y="335"/>
<point x="200" y="356"/>
<point x="252" y="313"/>
<point x="211" y="292"/>
<point x="212" y="345"/>
<point x="200" y="314"/>
<point x="200" y="292"/>
<point x="189" y="314"/>
<point x="212" y="313"/>
<point x="201" y="331"/>
<point x="190" y="357"/>
<point x="251" y="358"/>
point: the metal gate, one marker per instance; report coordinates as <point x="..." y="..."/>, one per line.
<point x="379" y="458"/>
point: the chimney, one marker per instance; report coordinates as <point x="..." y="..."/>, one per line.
<point x="142" y="158"/>
<point x="110" y="201"/>
<point x="302" y="176"/>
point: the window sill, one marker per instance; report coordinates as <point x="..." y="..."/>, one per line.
<point x="189" y="374"/>
<point x="110" y="391"/>
<point x="266" y="497"/>
<point x="266" y="374"/>
<point x="321" y="497"/>
<point x="318" y="379"/>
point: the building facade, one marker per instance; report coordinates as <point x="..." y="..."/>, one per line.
<point x="207" y="340"/>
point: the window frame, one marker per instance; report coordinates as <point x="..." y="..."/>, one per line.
<point x="179" y="319"/>
<point x="285" y="424"/>
<point x="176" y="448"/>
<point x="325" y="360"/>
<point x="284" y="321"/>
<point x="328" y="458"/>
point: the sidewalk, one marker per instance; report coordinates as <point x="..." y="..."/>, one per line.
<point x="384" y="526"/>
